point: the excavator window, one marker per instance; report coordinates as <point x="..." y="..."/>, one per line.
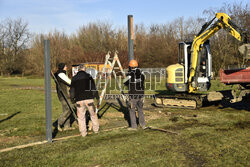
<point x="203" y="63"/>
<point x="181" y="56"/>
<point x="188" y="58"/>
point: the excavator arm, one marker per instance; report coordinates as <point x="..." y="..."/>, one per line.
<point x="223" y="22"/>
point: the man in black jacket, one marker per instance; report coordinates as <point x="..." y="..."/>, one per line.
<point x="64" y="82"/>
<point x="135" y="83"/>
<point x="83" y="91"/>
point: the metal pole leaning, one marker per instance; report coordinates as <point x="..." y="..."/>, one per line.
<point x="64" y="97"/>
<point x="47" y="91"/>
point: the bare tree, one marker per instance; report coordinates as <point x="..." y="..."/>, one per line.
<point x="14" y="38"/>
<point x="2" y="37"/>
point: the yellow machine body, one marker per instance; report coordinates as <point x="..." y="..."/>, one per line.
<point x="175" y="78"/>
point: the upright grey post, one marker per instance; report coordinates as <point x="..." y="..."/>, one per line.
<point x="130" y="38"/>
<point x="47" y="90"/>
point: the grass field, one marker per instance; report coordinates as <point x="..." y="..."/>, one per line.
<point x="215" y="135"/>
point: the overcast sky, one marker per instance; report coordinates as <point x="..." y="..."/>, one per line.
<point x="68" y="15"/>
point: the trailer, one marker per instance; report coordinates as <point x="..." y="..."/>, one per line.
<point x="237" y="76"/>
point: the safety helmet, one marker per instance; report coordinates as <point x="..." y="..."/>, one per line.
<point x="133" y="63"/>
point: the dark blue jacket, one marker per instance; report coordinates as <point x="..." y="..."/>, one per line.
<point x="83" y="87"/>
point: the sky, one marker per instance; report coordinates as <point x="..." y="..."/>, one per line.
<point x="44" y="16"/>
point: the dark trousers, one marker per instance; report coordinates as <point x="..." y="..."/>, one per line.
<point x="133" y="104"/>
<point x="65" y="117"/>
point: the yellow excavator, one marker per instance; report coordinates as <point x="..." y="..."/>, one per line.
<point x="193" y="71"/>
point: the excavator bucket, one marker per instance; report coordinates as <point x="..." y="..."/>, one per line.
<point x="245" y="50"/>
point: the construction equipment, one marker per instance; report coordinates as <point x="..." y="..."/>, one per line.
<point x="111" y="64"/>
<point x="194" y="68"/>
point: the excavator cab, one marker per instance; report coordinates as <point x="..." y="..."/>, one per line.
<point x="178" y="74"/>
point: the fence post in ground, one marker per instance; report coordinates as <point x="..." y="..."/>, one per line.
<point x="47" y="91"/>
<point x="130" y="38"/>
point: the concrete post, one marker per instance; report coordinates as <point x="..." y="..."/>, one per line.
<point x="47" y="91"/>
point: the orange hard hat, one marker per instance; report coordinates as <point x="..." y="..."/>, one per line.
<point x="133" y="63"/>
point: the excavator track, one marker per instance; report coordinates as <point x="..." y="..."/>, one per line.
<point x="186" y="101"/>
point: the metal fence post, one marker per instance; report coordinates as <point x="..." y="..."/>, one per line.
<point x="47" y="91"/>
<point x="130" y="38"/>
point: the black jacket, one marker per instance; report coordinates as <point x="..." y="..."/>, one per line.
<point x="62" y="84"/>
<point x="135" y="83"/>
<point x="83" y="87"/>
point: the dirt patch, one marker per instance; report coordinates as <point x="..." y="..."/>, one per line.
<point x="103" y="122"/>
<point x="185" y="118"/>
<point x="174" y="119"/>
<point x="198" y="135"/>
<point x="12" y="139"/>
<point x="242" y="124"/>
<point x="192" y="156"/>
<point x="114" y="115"/>
<point x="15" y="86"/>
<point x="186" y="124"/>
<point x="180" y="126"/>
<point x="152" y="115"/>
<point x="223" y="129"/>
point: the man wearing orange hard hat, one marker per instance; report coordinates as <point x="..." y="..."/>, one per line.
<point x="135" y="82"/>
<point x="133" y="64"/>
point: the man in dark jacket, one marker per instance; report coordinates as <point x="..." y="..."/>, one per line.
<point x="64" y="82"/>
<point x="83" y="91"/>
<point x="135" y="82"/>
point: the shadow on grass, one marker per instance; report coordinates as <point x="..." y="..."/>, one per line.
<point x="72" y="120"/>
<point x="244" y="104"/>
<point x="54" y="133"/>
<point x="120" y="108"/>
<point x="9" y="117"/>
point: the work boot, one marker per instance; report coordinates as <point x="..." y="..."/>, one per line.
<point x="55" y="124"/>
<point x="132" y="129"/>
<point x="59" y="128"/>
<point x="84" y="134"/>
